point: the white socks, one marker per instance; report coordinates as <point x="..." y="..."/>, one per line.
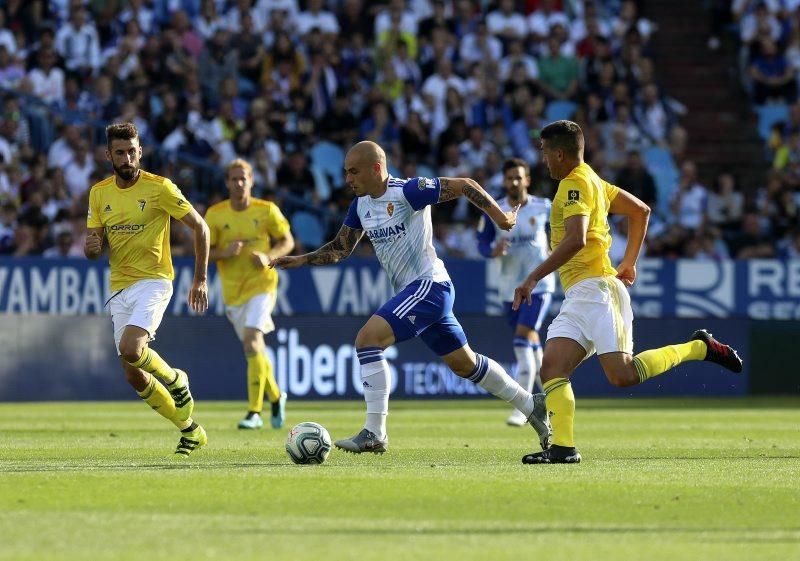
<point x="537" y="367"/>
<point x="526" y="363"/>
<point x="490" y="376"/>
<point x="375" y="379"/>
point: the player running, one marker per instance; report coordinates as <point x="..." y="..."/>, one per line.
<point x="525" y="245"/>
<point x="132" y="208"/>
<point x="246" y="234"/>
<point x="596" y="314"/>
<point x="395" y="215"/>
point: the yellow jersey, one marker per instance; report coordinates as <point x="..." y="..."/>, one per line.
<point x="136" y="223"/>
<point x="583" y="192"/>
<point x="256" y="226"/>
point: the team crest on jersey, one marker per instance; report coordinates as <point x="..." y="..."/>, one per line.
<point x="390" y="208"/>
<point x="426" y="183"/>
<point x="142" y="203"/>
<point x="532" y="221"/>
<point x="255" y="221"/>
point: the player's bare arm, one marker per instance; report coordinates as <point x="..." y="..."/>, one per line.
<point x="198" y="294"/>
<point x="575" y="228"/>
<point x="638" y="214"/>
<point x="278" y="248"/>
<point x="232" y="250"/>
<point x="93" y="246"/>
<point x="454" y="187"/>
<point x="337" y="249"/>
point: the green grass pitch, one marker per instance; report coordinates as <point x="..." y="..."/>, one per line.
<point x="661" y="479"/>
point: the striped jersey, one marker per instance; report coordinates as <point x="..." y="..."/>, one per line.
<point x="398" y="223"/>
<point x="527" y="245"/>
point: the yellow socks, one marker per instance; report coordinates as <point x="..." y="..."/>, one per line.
<point x="260" y="379"/>
<point x="561" y="408"/>
<point x="157" y="397"/>
<point x="657" y="361"/>
<point x="151" y="362"/>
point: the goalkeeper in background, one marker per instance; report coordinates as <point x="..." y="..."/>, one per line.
<point x="246" y="235"/>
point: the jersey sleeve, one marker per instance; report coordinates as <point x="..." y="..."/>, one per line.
<point x="352" y="220"/>
<point x="93" y="214"/>
<point x="172" y="201"/>
<point x="486" y="234"/>
<point x="422" y="191"/>
<point x="578" y="198"/>
<point x="277" y="224"/>
<point x="611" y="191"/>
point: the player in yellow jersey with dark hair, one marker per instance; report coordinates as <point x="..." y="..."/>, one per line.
<point x="132" y="209"/>
<point x="596" y="313"/>
<point x="246" y="235"/>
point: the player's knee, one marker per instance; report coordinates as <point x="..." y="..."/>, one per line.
<point x="253" y="342"/>
<point x="131" y="350"/>
<point x="549" y="370"/>
<point x="367" y="338"/>
<point x="622" y="378"/>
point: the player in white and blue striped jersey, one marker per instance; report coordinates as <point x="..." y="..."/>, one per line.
<point x="518" y="250"/>
<point x="395" y="215"/>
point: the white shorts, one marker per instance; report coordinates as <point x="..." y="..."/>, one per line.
<point x="596" y="313"/>
<point x="141" y="304"/>
<point x="255" y="313"/>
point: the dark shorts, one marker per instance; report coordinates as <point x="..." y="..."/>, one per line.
<point x="530" y="315"/>
<point x="424" y="309"/>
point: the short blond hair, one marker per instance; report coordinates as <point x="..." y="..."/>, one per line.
<point x="240" y="163"/>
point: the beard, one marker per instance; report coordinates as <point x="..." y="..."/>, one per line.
<point x="127" y="173"/>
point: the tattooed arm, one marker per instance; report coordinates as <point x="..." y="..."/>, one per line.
<point x="454" y="187"/>
<point x="334" y="251"/>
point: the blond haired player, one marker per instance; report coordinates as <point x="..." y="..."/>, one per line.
<point x="132" y="209"/>
<point x="246" y="235"/>
<point x="596" y="313"/>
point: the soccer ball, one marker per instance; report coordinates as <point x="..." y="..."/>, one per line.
<point x="308" y="443"/>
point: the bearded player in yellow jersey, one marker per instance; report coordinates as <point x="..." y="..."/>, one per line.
<point x="132" y="209"/>
<point x="246" y="235"/>
<point x="596" y="313"/>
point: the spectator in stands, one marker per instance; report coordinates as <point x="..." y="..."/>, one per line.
<point x="316" y="17"/>
<point x="635" y="179"/>
<point x="524" y="135"/>
<point x="654" y="115"/>
<point x="414" y="140"/>
<point x="688" y="202"/>
<point x="216" y="63"/>
<point x="789" y="246"/>
<point x="295" y="178"/>
<point x="11" y="72"/>
<point x="8" y="224"/>
<point x="542" y="20"/>
<point x="249" y="48"/>
<point x="47" y="80"/>
<point x="476" y="148"/>
<point x="64" y="243"/>
<point x="751" y="241"/>
<point x="480" y="46"/>
<point x="772" y="76"/>
<point x="339" y="125"/>
<point x="78" y="43"/>
<point x="558" y="74"/>
<point x="506" y="23"/>
<point x="725" y="203"/>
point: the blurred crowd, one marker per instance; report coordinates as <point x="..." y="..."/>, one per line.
<point x="447" y="87"/>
